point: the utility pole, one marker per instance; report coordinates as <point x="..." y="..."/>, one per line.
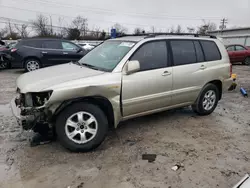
<point x="223" y="22"/>
<point x="51" y="27"/>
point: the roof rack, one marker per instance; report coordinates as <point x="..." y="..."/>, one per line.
<point x="151" y="35"/>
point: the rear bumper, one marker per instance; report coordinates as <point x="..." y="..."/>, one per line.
<point x="227" y="84"/>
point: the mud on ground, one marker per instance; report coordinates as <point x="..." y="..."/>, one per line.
<point x="214" y="150"/>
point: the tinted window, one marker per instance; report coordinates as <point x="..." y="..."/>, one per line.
<point x="239" y="48"/>
<point x="32" y="43"/>
<point x="152" y="55"/>
<point x="211" y="50"/>
<point x="183" y="52"/>
<point x="69" y="46"/>
<point x="199" y="52"/>
<point x="230" y="48"/>
<point x="50" y="44"/>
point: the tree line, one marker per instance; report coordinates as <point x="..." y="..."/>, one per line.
<point x="79" y="29"/>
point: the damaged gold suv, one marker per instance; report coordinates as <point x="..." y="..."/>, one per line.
<point x="121" y="79"/>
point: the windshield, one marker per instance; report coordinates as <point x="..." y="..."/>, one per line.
<point x="107" y="55"/>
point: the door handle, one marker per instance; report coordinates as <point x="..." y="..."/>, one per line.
<point x="65" y="53"/>
<point x="203" y="67"/>
<point x="44" y="52"/>
<point x="166" y="73"/>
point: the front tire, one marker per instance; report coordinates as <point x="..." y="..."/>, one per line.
<point x="31" y="65"/>
<point x="247" y="61"/>
<point x="207" y="100"/>
<point x="81" y="127"/>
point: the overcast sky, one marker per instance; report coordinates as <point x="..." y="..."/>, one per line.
<point x="162" y="14"/>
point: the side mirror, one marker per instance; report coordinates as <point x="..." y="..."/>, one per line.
<point x="79" y="50"/>
<point x="132" y="67"/>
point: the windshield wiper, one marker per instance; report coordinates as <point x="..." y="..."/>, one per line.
<point x="76" y="62"/>
<point x="90" y="66"/>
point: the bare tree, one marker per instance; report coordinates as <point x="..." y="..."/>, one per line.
<point x="42" y="27"/>
<point x="96" y="32"/>
<point x="206" y="26"/>
<point x="63" y="31"/>
<point x="191" y="29"/>
<point x="22" y="30"/>
<point x="81" y="24"/>
<point x="10" y="32"/>
<point x="138" y="30"/>
<point x="172" y="29"/>
<point x="3" y="32"/>
<point x="179" y="29"/>
<point x="152" y="29"/>
<point x="120" y="29"/>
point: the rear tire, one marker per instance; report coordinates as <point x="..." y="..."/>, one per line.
<point x="207" y="100"/>
<point x="74" y="130"/>
<point x="246" y="61"/>
<point x="31" y="65"/>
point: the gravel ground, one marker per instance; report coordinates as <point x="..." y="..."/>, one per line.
<point x="213" y="151"/>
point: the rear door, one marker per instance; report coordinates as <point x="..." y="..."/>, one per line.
<point x="52" y="53"/>
<point x="71" y="51"/>
<point x="189" y="70"/>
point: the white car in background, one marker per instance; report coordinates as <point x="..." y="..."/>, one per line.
<point x="87" y="46"/>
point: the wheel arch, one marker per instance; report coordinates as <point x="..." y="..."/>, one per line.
<point x="218" y="84"/>
<point x="31" y="57"/>
<point x="103" y="103"/>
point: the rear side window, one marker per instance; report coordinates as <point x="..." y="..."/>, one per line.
<point x="183" y="52"/>
<point x="50" y="44"/>
<point x="230" y="48"/>
<point x="211" y="50"/>
<point x="32" y="43"/>
<point x="152" y="55"/>
<point x="199" y="52"/>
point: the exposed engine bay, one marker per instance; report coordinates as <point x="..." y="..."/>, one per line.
<point x="32" y="106"/>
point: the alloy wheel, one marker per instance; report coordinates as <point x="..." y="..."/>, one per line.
<point x="81" y="127"/>
<point x="209" y="100"/>
<point x="32" y="65"/>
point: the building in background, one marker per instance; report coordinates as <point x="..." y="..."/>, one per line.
<point x="234" y="36"/>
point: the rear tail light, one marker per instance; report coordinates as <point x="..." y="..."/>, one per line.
<point x="13" y="50"/>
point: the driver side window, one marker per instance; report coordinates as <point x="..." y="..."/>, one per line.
<point x="152" y="55"/>
<point x="239" y="48"/>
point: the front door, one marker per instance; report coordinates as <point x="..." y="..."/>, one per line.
<point x="51" y="53"/>
<point x="240" y="53"/>
<point x="71" y="51"/>
<point x="150" y="88"/>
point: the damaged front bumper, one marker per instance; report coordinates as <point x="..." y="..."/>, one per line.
<point x="26" y="117"/>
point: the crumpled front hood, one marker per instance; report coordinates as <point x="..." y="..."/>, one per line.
<point x="44" y="78"/>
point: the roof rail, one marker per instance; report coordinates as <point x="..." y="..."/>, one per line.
<point x="151" y="35"/>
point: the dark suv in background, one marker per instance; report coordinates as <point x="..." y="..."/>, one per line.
<point x="33" y="54"/>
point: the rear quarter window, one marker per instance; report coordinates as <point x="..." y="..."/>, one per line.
<point x="32" y="43"/>
<point x="211" y="51"/>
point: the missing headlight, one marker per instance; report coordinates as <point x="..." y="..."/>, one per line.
<point x="39" y="99"/>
